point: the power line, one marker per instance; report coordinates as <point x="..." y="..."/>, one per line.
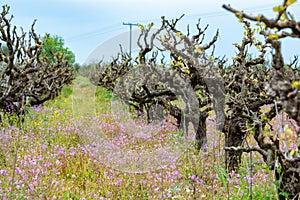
<point x="93" y="35"/>
<point x="104" y="30"/>
<point x="266" y="7"/>
<point x="115" y="27"/>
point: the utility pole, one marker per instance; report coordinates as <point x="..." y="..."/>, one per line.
<point x="130" y="40"/>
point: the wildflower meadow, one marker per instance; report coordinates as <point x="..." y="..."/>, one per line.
<point x="54" y="155"/>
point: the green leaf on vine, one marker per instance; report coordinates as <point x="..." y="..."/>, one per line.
<point x="278" y="8"/>
<point x="296" y="85"/>
<point x="140" y="26"/>
<point x="290" y="2"/>
<point x="273" y="36"/>
<point x="150" y="25"/>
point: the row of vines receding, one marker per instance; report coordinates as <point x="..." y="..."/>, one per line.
<point x="245" y="95"/>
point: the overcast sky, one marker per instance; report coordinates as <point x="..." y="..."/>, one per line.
<point x="86" y="24"/>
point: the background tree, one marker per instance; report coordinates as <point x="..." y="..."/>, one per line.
<point x="55" y="45"/>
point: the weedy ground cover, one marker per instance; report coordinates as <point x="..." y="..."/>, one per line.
<point x="56" y="155"/>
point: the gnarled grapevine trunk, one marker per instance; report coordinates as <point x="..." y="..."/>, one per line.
<point x="201" y="138"/>
<point x="289" y="180"/>
<point x="234" y="137"/>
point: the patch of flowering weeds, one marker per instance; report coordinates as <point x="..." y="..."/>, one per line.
<point x="48" y="158"/>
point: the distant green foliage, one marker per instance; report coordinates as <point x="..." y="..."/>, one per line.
<point x="54" y="45"/>
<point x="86" y="70"/>
<point x="82" y="81"/>
<point x="76" y="67"/>
<point x="103" y="94"/>
<point x="66" y="91"/>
